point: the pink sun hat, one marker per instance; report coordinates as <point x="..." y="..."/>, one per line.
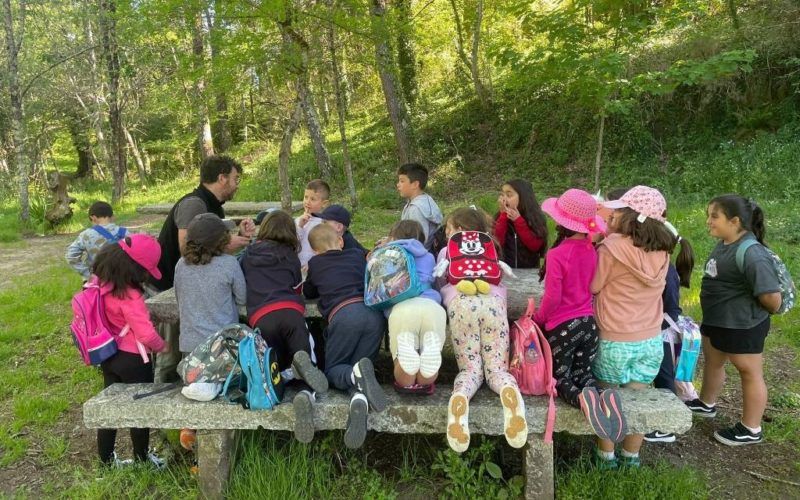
<point x="145" y="251"/>
<point x="647" y="201"/>
<point x="575" y="210"/>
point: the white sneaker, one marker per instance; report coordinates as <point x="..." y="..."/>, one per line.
<point x="202" y="391"/>
<point x="119" y="464"/>
<point x="156" y="461"/>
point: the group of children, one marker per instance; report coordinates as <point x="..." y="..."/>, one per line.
<point x="608" y="281"/>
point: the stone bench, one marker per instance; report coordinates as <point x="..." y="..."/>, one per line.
<point x="164" y="306"/>
<point x="232" y="208"/>
<point x="218" y="421"/>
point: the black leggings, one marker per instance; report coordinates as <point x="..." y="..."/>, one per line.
<point x="126" y="368"/>
<point x="285" y="331"/>
<point x="574" y="347"/>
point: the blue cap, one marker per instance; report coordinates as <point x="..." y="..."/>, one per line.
<point x="335" y="213"/>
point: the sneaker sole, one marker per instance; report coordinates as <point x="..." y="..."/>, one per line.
<point x="515" y="426"/>
<point x="670" y="439"/>
<point x="612" y="404"/>
<point x="594" y="413"/>
<point x="458" y="433"/>
<point x="703" y="414"/>
<point x="305" y="369"/>
<point x="728" y="442"/>
<point x="368" y="384"/>
<point x="356" y="431"/>
<point x="303" y="419"/>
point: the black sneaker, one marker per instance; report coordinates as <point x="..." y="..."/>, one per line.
<point x="364" y="374"/>
<point x="659" y="437"/>
<point x="356" y="430"/>
<point x="303" y="417"/>
<point x="738" y="435"/>
<point x="702" y="409"/>
<point x="304" y="369"/>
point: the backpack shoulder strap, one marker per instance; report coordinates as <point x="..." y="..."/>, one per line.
<point x="104" y="232"/>
<point x="742" y="250"/>
<point x="121" y="233"/>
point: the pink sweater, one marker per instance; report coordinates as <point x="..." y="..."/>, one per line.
<point x="132" y="311"/>
<point x="567" y="295"/>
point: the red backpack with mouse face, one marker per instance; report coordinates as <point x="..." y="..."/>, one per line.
<point x="472" y="255"/>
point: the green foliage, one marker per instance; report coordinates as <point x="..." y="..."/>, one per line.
<point x="475" y="474"/>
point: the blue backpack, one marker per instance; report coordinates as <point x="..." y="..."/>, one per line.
<point x="785" y="282"/>
<point x="690" y="339"/>
<point x="259" y="386"/>
<point x="391" y="277"/>
<point x="110" y="238"/>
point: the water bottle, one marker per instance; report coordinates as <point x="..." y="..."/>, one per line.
<point x="531" y="354"/>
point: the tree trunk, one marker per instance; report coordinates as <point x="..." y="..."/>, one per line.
<point x="289" y="128"/>
<point x="599" y="152"/>
<point x="406" y="59"/>
<point x="472" y="62"/>
<point x="97" y="112"/>
<point x="108" y="24"/>
<point x="82" y="145"/>
<point x="205" y="139"/>
<point x="395" y="105"/>
<point x="17" y="124"/>
<point x="140" y="166"/>
<point x="733" y="14"/>
<point x="221" y="128"/>
<point x="340" y="110"/>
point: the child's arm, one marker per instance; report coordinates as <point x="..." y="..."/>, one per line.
<point x="527" y="236"/>
<point x="501" y="228"/>
<point x="762" y="278"/>
<point x="604" y="263"/>
<point x="138" y="318"/>
<point x="771" y="301"/>
<point x="553" y="281"/>
<point x="309" y="288"/>
<point x="75" y="257"/>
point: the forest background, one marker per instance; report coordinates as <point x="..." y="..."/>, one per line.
<point x="122" y="100"/>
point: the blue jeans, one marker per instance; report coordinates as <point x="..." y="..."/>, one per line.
<point x="355" y="332"/>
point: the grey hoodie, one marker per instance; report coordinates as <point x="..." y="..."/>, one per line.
<point x="424" y="210"/>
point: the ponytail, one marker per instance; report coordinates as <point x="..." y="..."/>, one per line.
<point x="751" y="216"/>
<point x="684" y="262"/>
<point x="758" y="226"/>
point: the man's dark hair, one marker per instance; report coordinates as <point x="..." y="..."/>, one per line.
<point x="101" y="209"/>
<point x="215" y="165"/>
<point x="414" y="172"/>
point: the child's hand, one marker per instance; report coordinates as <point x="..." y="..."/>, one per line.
<point x="501" y="203"/>
<point x="512" y="213"/>
<point x="247" y="228"/>
<point x="304" y="219"/>
<point x="237" y="242"/>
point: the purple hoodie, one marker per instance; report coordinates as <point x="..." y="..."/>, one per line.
<point x="425" y="263"/>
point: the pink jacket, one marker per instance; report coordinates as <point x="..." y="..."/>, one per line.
<point x="570" y="269"/>
<point x="628" y="286"/>
<point x="131" y="310"/>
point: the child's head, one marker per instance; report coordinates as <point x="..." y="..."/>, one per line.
<point x="640" y="214"/>
<point x="730" y="215"/>
<point x="407" y="230"/>
<point x="278" y="226"/>
<point x="337" y="217"/>
<point x="518" y="194"/>
<point x="100" y="211"/>
<point x="575" y="210"/>
<point x="316" y="196"/>
<point x="412" y="178"/>
<point x="468" y="219"/>
<point x="128" y="263"/>
<point x="324" y="238"/>
<point x="605" y="212"/>
<point x="206" y="237"/>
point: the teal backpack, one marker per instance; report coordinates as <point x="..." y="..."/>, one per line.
<point x="788" y="290"/>
<point x="259" y="386"/>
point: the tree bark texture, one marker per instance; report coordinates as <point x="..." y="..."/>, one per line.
<point x="289" y="129"/>
<point x="205" y="138"/>
<point x="82" y="145"/>
<point x="17" y="124"/>
<point x="472" y="62"/>
<point x="599" y="152"/>
<point x="108" y="24"/>
<point x="395" y="105"/>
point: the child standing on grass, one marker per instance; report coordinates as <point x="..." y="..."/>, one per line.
<point x="120" y="270"/>
<point x="209" y="287"/>
<point x="354" y="332"/>
<point x="479" y="327"/>
<point x="736" y="302"/>
<point x="276" y="307"/>
<point x="631" y="271"/>
<point x="565" y="313"/>
<point x="519" y="226"/>
<point x="81" y="252"/>
<point x="417" y="326"/>
<point x="316" y="198"/>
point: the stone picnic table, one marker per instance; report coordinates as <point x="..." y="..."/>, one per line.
<point x="232" y="208"/>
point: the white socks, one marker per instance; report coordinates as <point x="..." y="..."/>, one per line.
<point x="407" y="354"/>
<point x="625" y="453"/>
<point x="754" y="430"/>
<point x="431" y="358"/>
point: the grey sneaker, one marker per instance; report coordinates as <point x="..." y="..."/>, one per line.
<point x="303" y="417"/>
<point x="356" y="430"/>
<point x="304" y="369"/>
<point x="364" y="374"/>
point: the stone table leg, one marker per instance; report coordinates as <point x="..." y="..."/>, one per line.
<point x="539" y="469"/>
<point x="215" y="450"/>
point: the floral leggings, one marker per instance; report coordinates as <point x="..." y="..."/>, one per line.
<point x="479" y="327"/>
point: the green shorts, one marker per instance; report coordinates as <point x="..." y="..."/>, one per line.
<point x="622" y="362"/>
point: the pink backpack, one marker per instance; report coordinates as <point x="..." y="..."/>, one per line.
<point x="90" y="329"/>
<point x="532" y="363"/>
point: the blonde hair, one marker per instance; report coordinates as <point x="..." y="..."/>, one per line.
<point x="322" y="238"/>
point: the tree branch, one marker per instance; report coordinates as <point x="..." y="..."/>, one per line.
<point x="27" y="87"/>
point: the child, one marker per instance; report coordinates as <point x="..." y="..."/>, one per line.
<point x="276" y="307"/>
<point x="519" y="226"/>
<point x="631" y="271"/>
<point x="736" y="306"/>
<point x="354" y="332"/>
<point x="412" y="178"/>
<point x="120" y="270"/>
<point x="678" y="275"/>
<point x="339" y="219"/>
<point x="479" y="327"/>
<point x="315" y="200"/>
<point x="417" y="326"/>
<point x="81" y="252"/>
<point x="565" y="313"/>
<point x="209" y="285"/>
